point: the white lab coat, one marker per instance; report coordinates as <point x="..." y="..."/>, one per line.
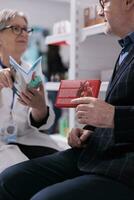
<point x="26" y="133"/>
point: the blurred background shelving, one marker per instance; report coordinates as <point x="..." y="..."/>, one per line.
<point x="87" y="51"/>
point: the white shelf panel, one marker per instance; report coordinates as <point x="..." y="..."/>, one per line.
<point x="52" y="86"/>
<point x="85" y="32"/>
<point x="60" y="38"/>
<point x="92" y="30"/>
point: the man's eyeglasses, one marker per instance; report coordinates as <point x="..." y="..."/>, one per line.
<point x="102" y="3"/>
<point x="18" y="30"/>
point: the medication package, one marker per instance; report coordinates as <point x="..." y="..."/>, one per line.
<point x="25" y="77"/>
<point x="71" y="89"/>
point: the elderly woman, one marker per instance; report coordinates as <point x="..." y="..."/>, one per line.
<point x="29" y="114"/>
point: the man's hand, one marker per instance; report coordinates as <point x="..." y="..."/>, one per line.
<point x="78" y="137"/>
<point x="95" y="112"/>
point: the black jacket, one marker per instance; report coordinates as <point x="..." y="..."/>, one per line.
<point x="110" y="152"/>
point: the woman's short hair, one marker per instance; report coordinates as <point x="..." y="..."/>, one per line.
<point x="7" y="14"/>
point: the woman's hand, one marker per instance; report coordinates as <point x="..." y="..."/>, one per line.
<point x="35" y="99"/>
<point x="78" y="137"/>
<point x="95" y="112"/>
<point x="6" y="78"/>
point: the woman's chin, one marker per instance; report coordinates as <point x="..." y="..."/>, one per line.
<point x="21" y="50"/>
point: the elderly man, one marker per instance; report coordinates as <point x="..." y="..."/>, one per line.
<point x="100" y="164"/>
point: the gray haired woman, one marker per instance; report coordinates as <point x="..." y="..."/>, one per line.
<point x="24" y="118"/>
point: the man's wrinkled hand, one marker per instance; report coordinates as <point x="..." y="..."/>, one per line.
<point x="78" y="137"/>
<point x="95" y="112"/>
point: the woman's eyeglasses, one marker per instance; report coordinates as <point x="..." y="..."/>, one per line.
<point x="18" y="30"/>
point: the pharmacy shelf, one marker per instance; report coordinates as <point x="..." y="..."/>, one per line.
<point x="52" y="86"/>
<point x="92" y="30"/>
<point x="58" y="39"/>
<point x="84" y="33"/>
<point x="78" y="49"/>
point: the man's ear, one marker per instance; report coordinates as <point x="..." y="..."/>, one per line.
<point x="129" y="4"/>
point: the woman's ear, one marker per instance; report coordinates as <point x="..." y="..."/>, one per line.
<point x="129" y="4"/>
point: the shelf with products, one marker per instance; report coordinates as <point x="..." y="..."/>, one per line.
<point x="61" y="39"/>
<point x="90" y="50"/>
<point x="92" y="30"/>
<point x="58" y="39"/>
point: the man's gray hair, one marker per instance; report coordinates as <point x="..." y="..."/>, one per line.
<point x="7" y="14"/>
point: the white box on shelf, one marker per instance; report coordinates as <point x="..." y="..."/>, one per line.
<point x="103" y="89"/>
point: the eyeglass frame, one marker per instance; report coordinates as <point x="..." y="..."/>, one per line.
<point x="101" y="3"/>
<point x="27" y="30"/>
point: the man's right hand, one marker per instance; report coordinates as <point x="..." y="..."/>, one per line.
<point x="6" y="78"/>
<point x="78" y="137"/>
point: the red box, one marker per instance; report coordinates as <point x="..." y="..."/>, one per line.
<point x="71" y="89"/>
